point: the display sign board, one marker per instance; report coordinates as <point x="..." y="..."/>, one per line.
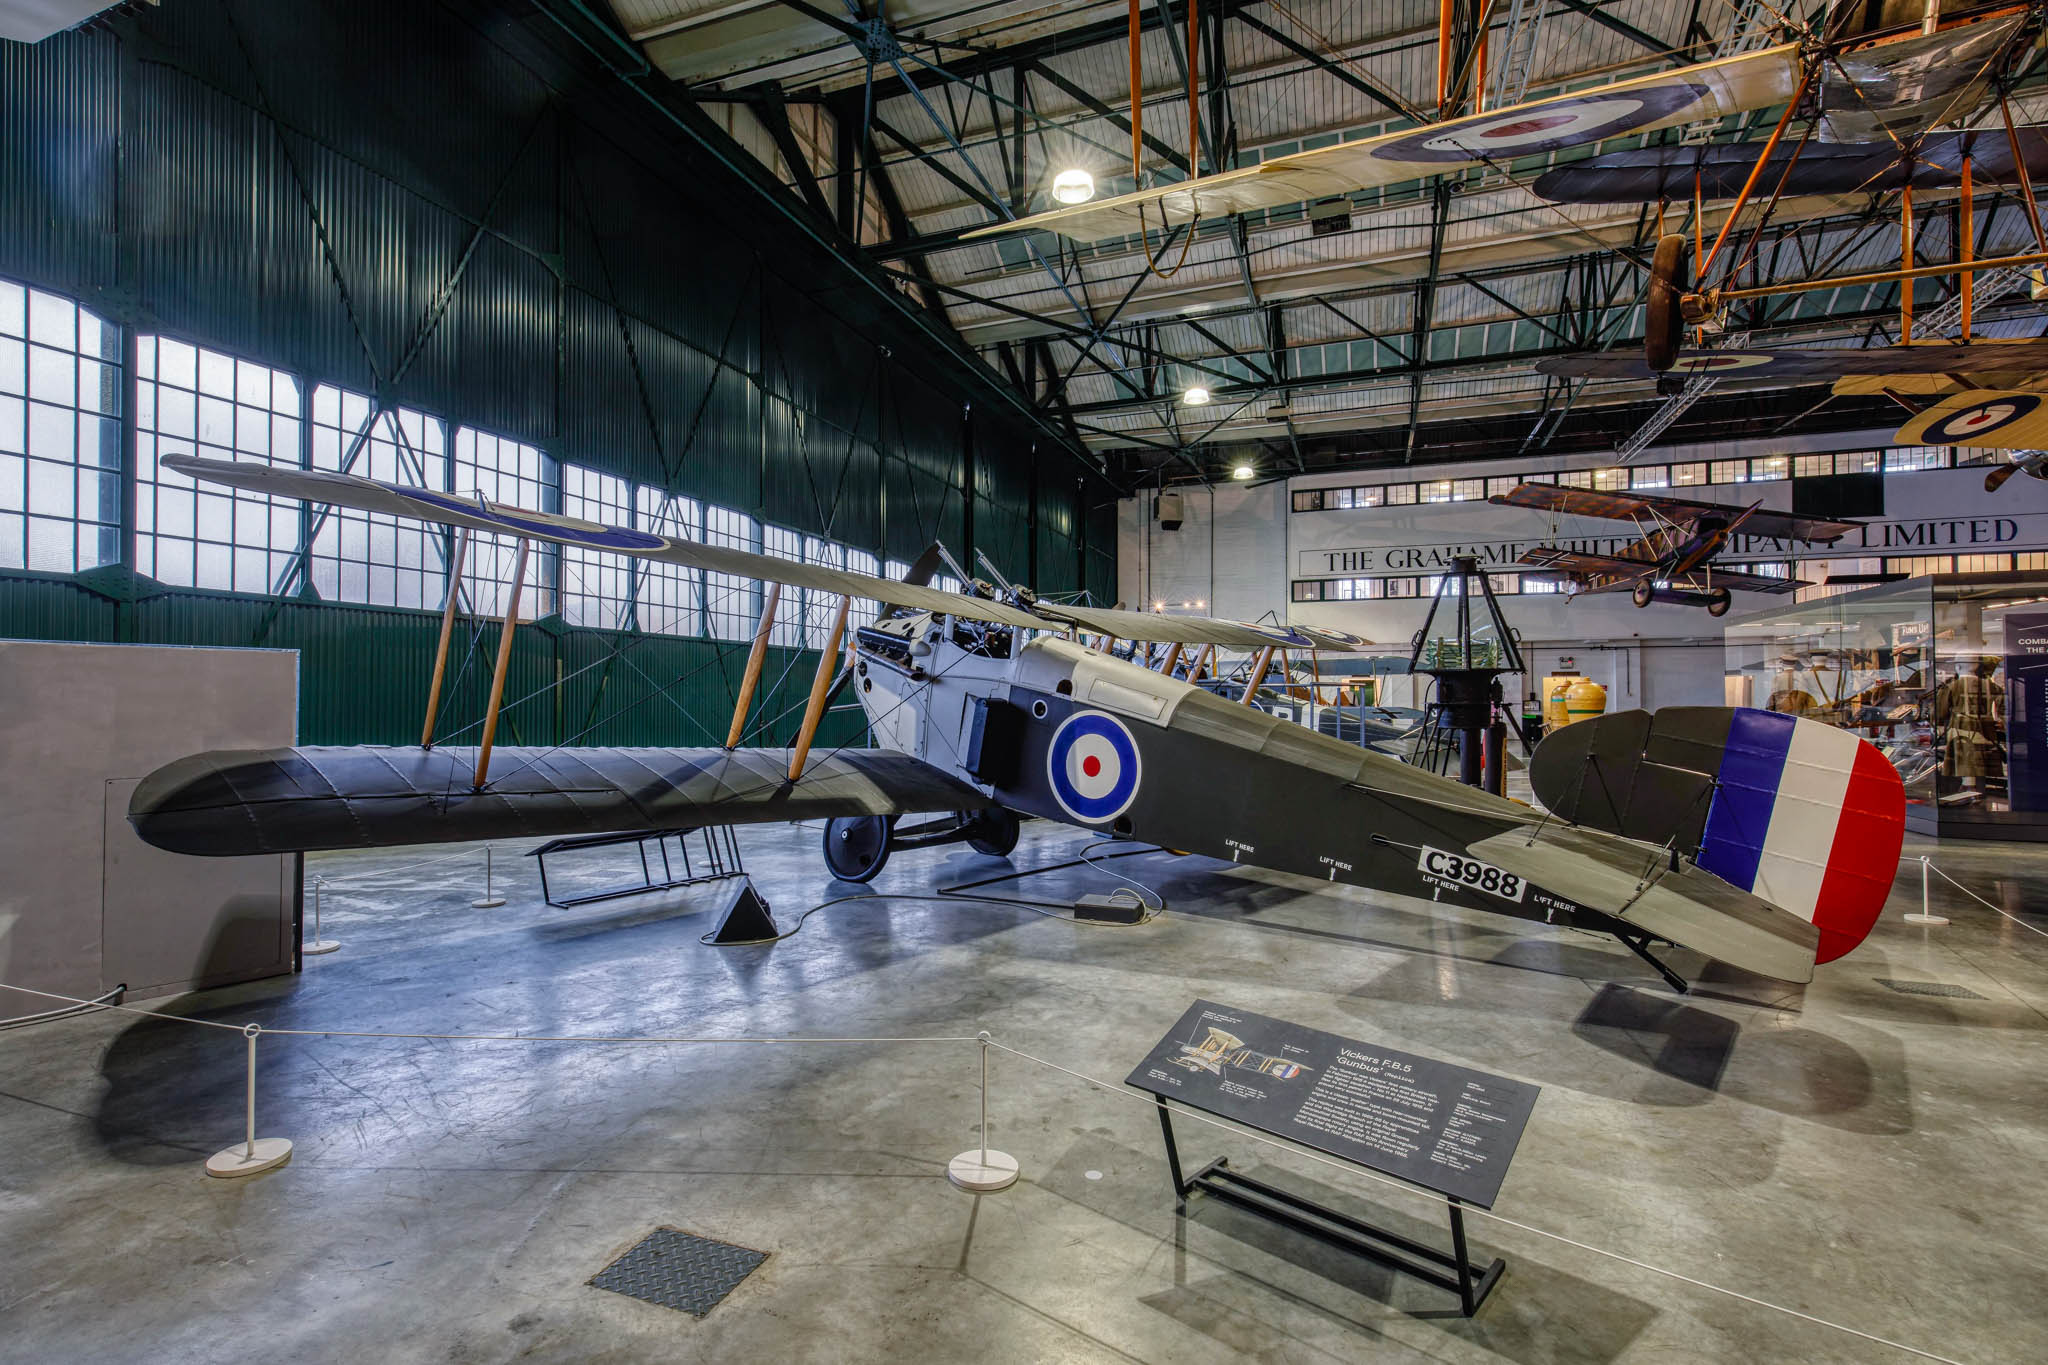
<point x="1444" y="1127"/>
<point x="2026" y="709"/>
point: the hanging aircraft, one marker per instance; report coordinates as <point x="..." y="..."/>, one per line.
<point x="1674" y="560"/>
<point x="1877" y="72"/>
<point x="1771" y="846"/>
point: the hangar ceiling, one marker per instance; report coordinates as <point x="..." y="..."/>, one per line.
<point x="1404" y="331"/>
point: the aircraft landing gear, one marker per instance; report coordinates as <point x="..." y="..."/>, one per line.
<point x="1718" y="602"/>
<point x="1643" y="593"/>
<point x="858" y="846"/>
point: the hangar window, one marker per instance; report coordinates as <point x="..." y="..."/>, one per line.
<point x="1769" y="467"/>
<point x="596" y="587"/>
<point x="1688" y="475"/>
<point x="1916" y="457"/>
<point x="1496" y="487"/>
<point x="731" y="604"/>
<point x="192" y="401"/>
<point x="1356" y="589"/>
<point x="669" y="597"/>
<point x="1610" y="480"/>
<point x="821" y="607"/>
<point x="791" y="616"/>
<point x="1856" y="462"/>
<point x="370" y="557"/>
<point x="1532" y="584"/>
<point x="1397" y="494"/>
<point x="945" y="582"/>
<point x="1650" y="476"/>
<point x="1730" y="471"/>
<point x="1308" y="500"/>
<point x="508" y="471"/>
<point x="1576" y="478"/>
<point x="1308" y="590"/>
<point x="1505" y="584"/>
<point x="60" y="435"/>
<point x="1812" y="466"/>
<point x="865" y="609"/>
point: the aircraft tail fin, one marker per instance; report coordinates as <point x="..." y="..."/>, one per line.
<point x="1802" y="815"/>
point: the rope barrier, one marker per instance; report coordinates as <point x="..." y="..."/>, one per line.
<point x="1928" y="863"/>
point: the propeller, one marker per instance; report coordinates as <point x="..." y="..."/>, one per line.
<point x="1995" y="480"/>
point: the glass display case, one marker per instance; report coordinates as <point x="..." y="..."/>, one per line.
<point x="1947" y="674"/>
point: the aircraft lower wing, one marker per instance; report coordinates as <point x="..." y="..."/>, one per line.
<point x="1816" y="363"/>
<point x="1581" y="563"/>
<point x="242" y="801"/>
<point x="1714" y="576"/>
<point x="1639" y="885"/>
<point x="2003" y="419"/>
<point x="1751" y="80"/>
<point x="1754" y="521"/>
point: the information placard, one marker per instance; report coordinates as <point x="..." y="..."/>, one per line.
<point x="1447" y="1128"/>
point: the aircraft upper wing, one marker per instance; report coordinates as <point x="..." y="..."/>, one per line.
<point x="243" y="801"/>
<point x="1578" y="562"/>
<point x="1751" y="80"/>
<point x="2003" y="419"/>
<point x="1583" y="502"/>
<point x="1196" y="630"/>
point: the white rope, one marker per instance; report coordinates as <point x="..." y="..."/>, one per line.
<point x="1929" y="864"/>
<point x="1149" y="1101"/>
<point x="467" y="851"/>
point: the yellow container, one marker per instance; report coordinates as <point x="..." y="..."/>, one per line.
<point x="1584" y="700"/>
<point x="1555" y="687"/>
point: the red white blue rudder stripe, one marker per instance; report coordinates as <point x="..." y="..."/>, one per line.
<point x="1092" y="766"/>
<point x="1809" y="818"/>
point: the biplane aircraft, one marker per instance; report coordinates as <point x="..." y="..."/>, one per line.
<point x="1760" y="840"/>
<point x="1674" y="560"/>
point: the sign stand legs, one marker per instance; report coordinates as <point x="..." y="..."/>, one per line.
<point x="1454" y="1272"/>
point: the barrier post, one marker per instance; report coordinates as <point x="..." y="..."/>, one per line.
<point x="319" y="945"/>
<point x="254" y="1155"/>
<point x="491" y="899"/>
<point x="1925" y="915"/>
<point x="983" y="1171"/>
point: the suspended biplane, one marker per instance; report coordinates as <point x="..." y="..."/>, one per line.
<point x="1674" y="561"/>
<point x="1765" y="842"/>
<point x="1881" y="70"/>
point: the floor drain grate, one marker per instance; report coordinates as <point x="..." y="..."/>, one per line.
<point x="677" y="1270"/>
<point x="1929" y="988"/>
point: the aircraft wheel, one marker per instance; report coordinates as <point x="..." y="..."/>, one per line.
<point x="1643" y="594"/>
<point x="1664" y="329"/>
<point x="995" y="832"/>
<point x="1719" y="603"/>
<point x="856" y="846"/>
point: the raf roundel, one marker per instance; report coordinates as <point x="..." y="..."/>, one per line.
<point x="1092" y="766"/>
<point x="1983" y="418"/>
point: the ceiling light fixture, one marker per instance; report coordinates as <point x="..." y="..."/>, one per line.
<point x="1073" y="186"/>
<point x="1242" y="472"/>
<point x="1195" y="396"/>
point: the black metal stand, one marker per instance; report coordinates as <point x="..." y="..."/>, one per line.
<point x="721" y="857"/>
<point x="1455" y="1272"/>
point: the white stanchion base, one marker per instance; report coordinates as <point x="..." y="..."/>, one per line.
<point x="983" y="1171"/>
<point x="1915" y="917"/>
<point x="237" y="1160"/>
<point x="319" y="946"/>
<point x="487" y="903"/>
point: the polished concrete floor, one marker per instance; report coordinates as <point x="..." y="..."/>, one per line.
<point x="1871" y="1157"/>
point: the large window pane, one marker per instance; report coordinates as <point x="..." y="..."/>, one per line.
<point x="511" y="472"/>
<point x="192" y="401"/>
<point x="60" y="454"/>
<point x="671" y="597"/>
<point x="595" y="584"/>
<point x="365" y="557"/>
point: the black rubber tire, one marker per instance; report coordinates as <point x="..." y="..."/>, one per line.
<point x="857" y="846"/>
<point x="995" y="832"/>
<point x="1663" y="321"/>
<point x="1721" y="600"/>
<point x="1642" y="594"/>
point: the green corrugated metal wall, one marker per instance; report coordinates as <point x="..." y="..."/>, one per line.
<point x="446" y="205"/>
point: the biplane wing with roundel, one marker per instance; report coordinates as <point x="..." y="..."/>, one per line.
<point x="980" y="711"/>
<point x="1815" y="364"/>
<point x="1751" y="80"/>
<point x="2003" y="419"/>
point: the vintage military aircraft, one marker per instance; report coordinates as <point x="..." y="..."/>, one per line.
<point x="1674" y="560"/>
<point x="1762" y="841"/>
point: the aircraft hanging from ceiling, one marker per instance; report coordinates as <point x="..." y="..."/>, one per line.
<point x="1879" y="73"/>
<point x="992" y="708"/>
<point x="1674" y="561"/>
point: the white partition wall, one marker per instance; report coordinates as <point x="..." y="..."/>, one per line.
<point x="84" y="904"/>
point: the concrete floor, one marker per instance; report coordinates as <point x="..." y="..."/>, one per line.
<point x="1875" y="1158"/>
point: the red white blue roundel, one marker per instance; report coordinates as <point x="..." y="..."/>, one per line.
<point x="1569" y="121"/>
<point x="1093" y="767"/>
<point x="1981" y="419"/>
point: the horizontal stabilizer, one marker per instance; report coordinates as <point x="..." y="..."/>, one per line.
<point x="1636" y="884"/>
<point x="242" y="801"/>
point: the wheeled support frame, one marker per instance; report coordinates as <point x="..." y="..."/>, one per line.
<point x="857" y="846"/>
